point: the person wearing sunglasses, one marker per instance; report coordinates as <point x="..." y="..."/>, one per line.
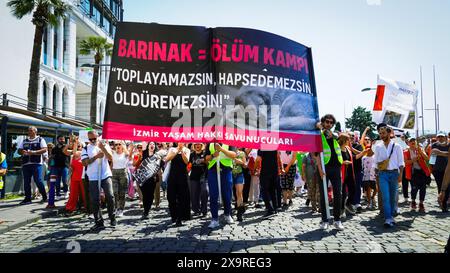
<point x="333" y="161"/>
<point x="120" y="157"/>
<point x="77" y="194"/>
<point x="95" y="157"/>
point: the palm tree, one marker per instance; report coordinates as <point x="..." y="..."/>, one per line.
<point x="44" y="12"/>
<point x="99" y="46"/>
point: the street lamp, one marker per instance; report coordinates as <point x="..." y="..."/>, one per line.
<point x="368" y="89"/>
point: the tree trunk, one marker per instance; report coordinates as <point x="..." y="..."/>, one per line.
<point x="94" y="90"/>
<point x="33" y="84"/>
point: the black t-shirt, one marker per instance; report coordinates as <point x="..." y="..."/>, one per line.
<point x="269" y="163"/>
<point x="334" y="162"/>
<point x="208" y="152"/>
<point x="198" y="167"/>
<point x="59" y="158"/>
<point x="441" y="161"/>
<point x="349" y="168"/>
<point x="357" y="163"/>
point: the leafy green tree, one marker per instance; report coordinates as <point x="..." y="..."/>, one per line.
<point x="100" y="47"/>
<point x="44" y="12"/>
<point x="338" y="126"/>
<point x="360" y="119"/>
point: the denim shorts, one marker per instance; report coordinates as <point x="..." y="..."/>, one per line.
<point x="238" y="179"/>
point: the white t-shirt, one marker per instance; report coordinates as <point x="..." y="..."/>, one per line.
<point x="34" y="141"/>
<point x="286" y="158"/>
<point x="93" y="169"/>
<point x="185" y="150"/>
<point x="120" y="161"/>
<point x="382" y="153"/>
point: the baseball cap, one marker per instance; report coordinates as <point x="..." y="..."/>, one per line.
<point x="441" y="134"/>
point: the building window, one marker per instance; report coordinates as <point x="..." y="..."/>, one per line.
<point x="97" y="16"/>
<point x="106" y="25"/>
<point x="86" y="6"/>
<point x="44" y="95"/>
<point x="55" y="99"/>
<point x="44" y="45"/>
<point x="66" y="24"/>
<point x="55" y="48"/>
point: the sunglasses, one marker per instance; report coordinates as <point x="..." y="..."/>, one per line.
<point x="118" y="144"/>
<point x="140" y="148"/>
<point x="92" y="139"/>
<point x="329" y="121"/>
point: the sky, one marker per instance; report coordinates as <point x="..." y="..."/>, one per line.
<point x="352" y="42"/>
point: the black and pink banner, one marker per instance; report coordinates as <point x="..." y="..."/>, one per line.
<point x="241" y="87"/>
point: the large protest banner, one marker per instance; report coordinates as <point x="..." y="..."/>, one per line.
<point x="395" y="104"/>
<point x="236" y="86"/>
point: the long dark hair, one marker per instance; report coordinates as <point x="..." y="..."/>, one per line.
<point x="146" y="152"/>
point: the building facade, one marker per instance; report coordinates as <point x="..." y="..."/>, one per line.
<point x="64" y="84"/>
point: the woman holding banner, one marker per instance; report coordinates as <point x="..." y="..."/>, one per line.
<point x="177" y="184"/>
<point x="225" y="155"/>
<point x="148" y="187"/>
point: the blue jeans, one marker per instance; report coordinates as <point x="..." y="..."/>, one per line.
<point x="35" y="171"/>
<point x="226" y="186"/>
<point x="389" y="189"/>
<point x="61" y="174"/>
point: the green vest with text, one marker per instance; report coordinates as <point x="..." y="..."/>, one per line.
<point x="224" y="160"/>
<point x="327" y="150"/>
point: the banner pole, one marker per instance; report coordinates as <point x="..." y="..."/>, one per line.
<point x="218" y="179"/>
<point x="325" y="188"/>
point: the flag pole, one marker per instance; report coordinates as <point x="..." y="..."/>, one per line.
<point x="325" y="188"/>
<point x="218" y="178"/>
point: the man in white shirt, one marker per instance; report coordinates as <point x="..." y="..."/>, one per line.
<point x="95" y="156"/>
<point x="32" y="150"/>
<point x="389" y="154"/>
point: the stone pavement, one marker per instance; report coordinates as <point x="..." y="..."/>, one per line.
<point x="13" y="216"/>
<point x="292" y="231"/>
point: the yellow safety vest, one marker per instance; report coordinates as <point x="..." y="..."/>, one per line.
<point x="327" y="150"/>
<point x="2" y="158"/>
<point x="224" y="160"/>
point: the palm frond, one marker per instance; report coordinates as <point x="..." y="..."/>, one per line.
<point x="20" y="8"/>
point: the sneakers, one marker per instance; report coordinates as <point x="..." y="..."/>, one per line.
<point x="25" y="202"/>
<point x="389" y="223"/>
<point x="323" y="225"/>
<point x="113" y="222"/>
<point x="413" y="205"/>
<point x="257" y="206"/>
<point x="66" y="195"/>
<point x="350" y="210"/>
<point x="307" y="202"/>
<point x="214" y="224"/>
<point x="229" y="219"/>
<point x="359" y="208"/>
<point x="421" y="208"/>
<point x="338" y="225"/>
<point x="119" y="213"/>
<point x="290" y="203"/>
<point x="269" y="214"/>
<point x="98" y="226"/>
<point x="144" y="216"/>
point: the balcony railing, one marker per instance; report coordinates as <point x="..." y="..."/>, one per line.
<point x="14" y="101"/>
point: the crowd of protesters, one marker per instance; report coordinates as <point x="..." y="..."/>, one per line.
<point x="355" y="171"/>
